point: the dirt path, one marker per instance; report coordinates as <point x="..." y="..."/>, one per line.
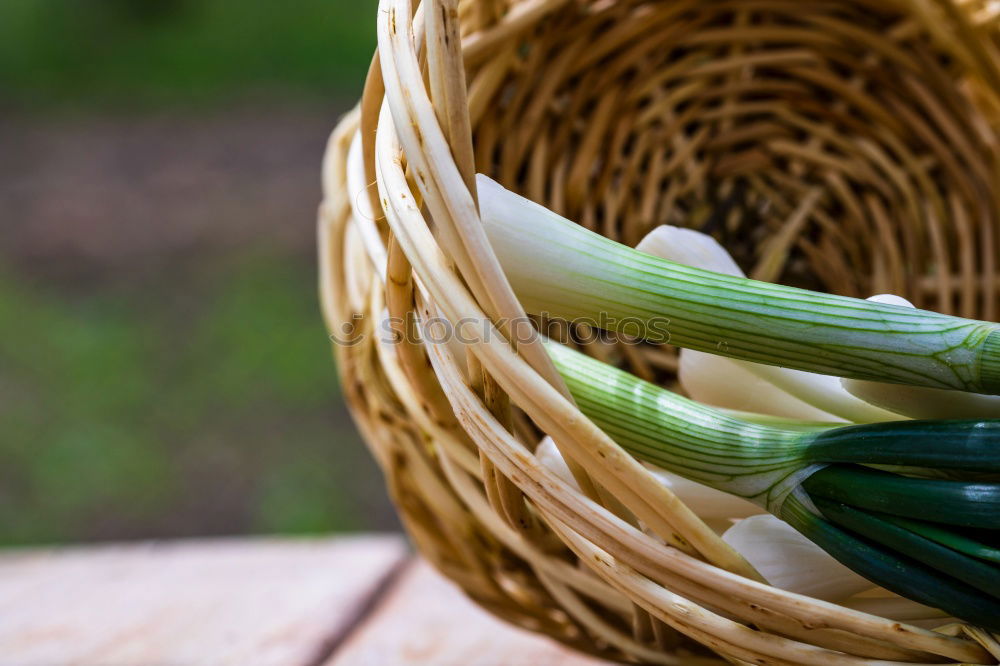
<point x="81" y="194"/>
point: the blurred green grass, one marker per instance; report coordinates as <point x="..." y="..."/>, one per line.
<point x="195" y="400"/>
<point x="123" y="405"/>
<point x="184" y="52"/>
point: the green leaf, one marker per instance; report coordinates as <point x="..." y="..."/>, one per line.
<point x="898" y="574"/>
<point x="969" y="543"/>
<point x="976" y="573"/>
<point x="941" y="501"/>
<point x="971" y="444"/>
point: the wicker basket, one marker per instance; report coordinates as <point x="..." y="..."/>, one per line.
<point x="851" y="146"/>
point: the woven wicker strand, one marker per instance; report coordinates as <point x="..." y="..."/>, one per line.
<point x="847" y="146"/>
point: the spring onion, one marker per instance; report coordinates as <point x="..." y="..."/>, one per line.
<point x="784" y="557"/>
<point x="715" y="507"/>
<point x="773" y="390"/>
<point x="559" y="268"/>
<point x="742" y="390"/>
<point x="912" y="506"/>
<point x="785" y="392"/>
<point x="745" y="389"/>
<point x="921" y="402"/>
<point x="920" y="538"/>
<point x="792" y="562"/>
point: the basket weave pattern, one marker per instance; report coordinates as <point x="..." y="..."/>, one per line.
<point x="849" y="146"/>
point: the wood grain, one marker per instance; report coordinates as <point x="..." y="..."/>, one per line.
<point x="427" y="620"/>
<point x="249" y="602"/>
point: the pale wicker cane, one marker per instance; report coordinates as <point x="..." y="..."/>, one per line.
<point x="849" y="146"/>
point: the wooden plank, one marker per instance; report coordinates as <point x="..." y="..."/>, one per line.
<point x="261" y="602"/>
<point x="425" y="619"/>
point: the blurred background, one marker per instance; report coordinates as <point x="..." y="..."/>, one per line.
<point x="163" y="367"/>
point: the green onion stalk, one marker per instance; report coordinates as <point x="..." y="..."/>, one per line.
<point x="562" y="270"/>
<point x="933" y="540"/>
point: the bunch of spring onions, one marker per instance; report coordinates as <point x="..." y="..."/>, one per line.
<point x="562" y="269"/>
<point x="911" y="505"/>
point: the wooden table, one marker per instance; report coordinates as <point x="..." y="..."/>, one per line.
<point x="351" y="601"/>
